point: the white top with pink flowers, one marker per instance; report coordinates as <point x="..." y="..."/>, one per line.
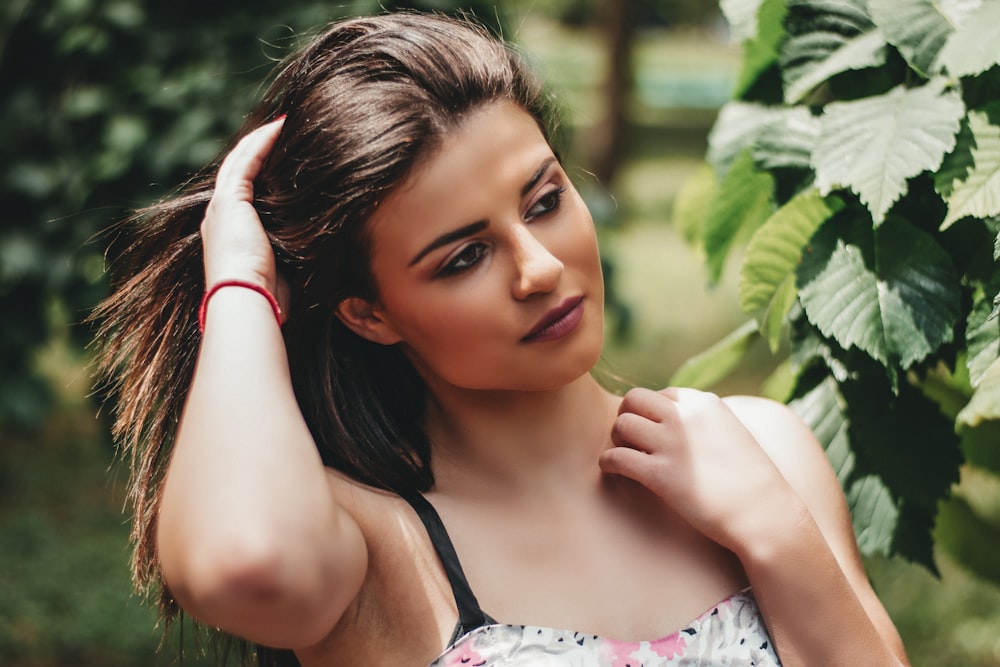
<point x="731" y="633"/>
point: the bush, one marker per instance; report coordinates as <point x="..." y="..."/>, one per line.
<point x="859" y="157"/>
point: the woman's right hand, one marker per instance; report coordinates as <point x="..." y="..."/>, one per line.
<point x="233" y="240"/>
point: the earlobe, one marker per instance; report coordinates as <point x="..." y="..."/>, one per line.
<point x="364" y="318"/>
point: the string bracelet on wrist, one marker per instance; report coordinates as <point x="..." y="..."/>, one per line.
<point x="263" y="291"/>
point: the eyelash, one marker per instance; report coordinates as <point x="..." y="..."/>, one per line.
<point x="550" y="202"/>
<point x="554" y="200"/>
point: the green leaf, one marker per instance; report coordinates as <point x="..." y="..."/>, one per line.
<point x="780" y="384"/>
<point x="875" y="144"/>
<point x="971" y="49"/>
<point x="693" y="202"/>
<point x="956" y="165"/>
<point x="867" y="290"/>
<point x="978" y="195"/>
<point x="903" y="438"/>
<point x="981" y="445"/>
<point x="787" y="139"/>
<point x="736" y="129"/>
<point x="744" y="202"/>
<point x="917" y="28"/>
<point x="958" y="11"/>
<point x="982" y="335"/>
<point x="822" y="408"/>
<point x="911" y="447"/>
<point x="826" y="38"/>
<point x="969" y="538"/>
<point x="715" y="363"/>
<point x="985" y="402"/>
<point x="874" y="515"/>
<point x="741" y="16"/>
<point x="767" y="278"/>
<point x="873" y="511"/>
<point x="760" y="51"/>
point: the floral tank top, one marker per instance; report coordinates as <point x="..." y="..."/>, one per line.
<point x="732" y="633"/>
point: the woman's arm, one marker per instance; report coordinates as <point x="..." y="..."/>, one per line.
<point x="801" y="460"/>
<point x="777" y="506"/>
<point x="249" y="536"/>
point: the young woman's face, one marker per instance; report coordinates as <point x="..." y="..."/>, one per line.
<point x="486" y="261"/>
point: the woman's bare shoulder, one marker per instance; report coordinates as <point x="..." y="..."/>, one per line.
<point x="783" y="435"/>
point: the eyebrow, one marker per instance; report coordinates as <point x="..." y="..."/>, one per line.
<point x="479" y="225"/>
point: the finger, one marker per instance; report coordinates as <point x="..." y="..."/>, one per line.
<point x="650" y="404"/>
<point x="243" y="163"/>
<point x="628" y="463"/>
<point x="635" y="431"/>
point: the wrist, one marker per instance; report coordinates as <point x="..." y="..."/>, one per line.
<point x="777" y="529"/>
<point x="233" y="283"/>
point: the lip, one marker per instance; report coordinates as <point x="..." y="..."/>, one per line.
<point x="558" y="322"/>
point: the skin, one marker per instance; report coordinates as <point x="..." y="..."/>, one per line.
<point x="663" y="502"/>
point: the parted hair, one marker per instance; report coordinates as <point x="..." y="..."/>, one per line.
<point x="366" y="100"/>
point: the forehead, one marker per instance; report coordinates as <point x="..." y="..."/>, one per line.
<point x="479" y="165"/>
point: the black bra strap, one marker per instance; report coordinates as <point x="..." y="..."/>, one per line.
<point x="470" y="616"/>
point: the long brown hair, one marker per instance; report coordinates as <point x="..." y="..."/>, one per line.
<point x="366" y="100"/>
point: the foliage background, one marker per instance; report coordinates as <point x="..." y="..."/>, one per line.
<point x="108" y="104"/>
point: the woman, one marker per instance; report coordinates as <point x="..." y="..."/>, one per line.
<point x="391" y="451"/>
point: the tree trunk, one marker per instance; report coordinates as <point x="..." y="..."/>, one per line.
<point x="609" y="142"/>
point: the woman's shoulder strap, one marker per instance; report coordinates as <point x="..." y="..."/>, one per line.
<point x="470" y="615"/>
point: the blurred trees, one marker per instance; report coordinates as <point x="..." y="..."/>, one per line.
<point x="106" y="105"/>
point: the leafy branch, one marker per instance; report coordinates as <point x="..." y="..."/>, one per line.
<point x="860" y="155"/>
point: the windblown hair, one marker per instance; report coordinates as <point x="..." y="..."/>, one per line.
<point x="366" y="101"/>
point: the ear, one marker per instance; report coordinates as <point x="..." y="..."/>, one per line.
<point x="366" y="319"/>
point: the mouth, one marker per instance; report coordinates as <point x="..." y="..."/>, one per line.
<point x="558" y="322"/>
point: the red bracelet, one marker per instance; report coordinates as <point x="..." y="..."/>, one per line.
<point x="203" y="309"/>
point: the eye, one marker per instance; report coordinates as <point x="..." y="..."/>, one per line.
<point x="465" y="259"/>
<point x="548" y="203"/>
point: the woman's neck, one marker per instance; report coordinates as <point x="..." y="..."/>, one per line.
<point x="486" y="442"/>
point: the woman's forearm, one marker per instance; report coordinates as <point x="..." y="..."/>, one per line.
<point x="248" y="528"/>
<point x="814" y="614"/>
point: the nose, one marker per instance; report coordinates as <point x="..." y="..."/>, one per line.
<point x="538" y="270"/>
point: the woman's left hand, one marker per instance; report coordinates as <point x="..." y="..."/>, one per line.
<point x="688" y="448"/>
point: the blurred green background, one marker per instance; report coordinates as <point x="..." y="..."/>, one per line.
<point x="108" y="104"/>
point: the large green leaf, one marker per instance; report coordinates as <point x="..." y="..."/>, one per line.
<point x="822" y="408"/>
<point x="761" y="51"/>
<point x="903" y="438"/>
<point x="978" y="194"/>
<point x="917" y="28"/>
<point x="825" y="38"/>
<point x="693" y="202"/>
<point x="743" y="204"/>
<point x="985" y="402"/>
<point x="874" y="515"/>
<point x="736" y="129"/>
<point x="893" y="293"/>
<point x="787" y="139"/>
<point x="767" y="278"/>
<point x="956" y="165"/>
<point x="972" y="48"/>
<point x="911" y="447"/>
<point x="958" y="11"/>
<point x="982" y="335"/>
<point x="875" y="144"/>
<point x="873" y="511"/>
<point x="715" y="363"/>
